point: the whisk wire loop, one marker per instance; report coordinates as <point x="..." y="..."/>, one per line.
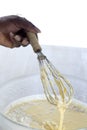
<point x="56" y="87"/>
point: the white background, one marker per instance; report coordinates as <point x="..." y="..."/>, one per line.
<point x="62" y="22"/>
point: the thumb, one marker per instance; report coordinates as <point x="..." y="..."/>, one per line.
<point x="5" y="40"/>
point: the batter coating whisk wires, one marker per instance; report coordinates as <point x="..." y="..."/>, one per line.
<point x="57" y="88"/>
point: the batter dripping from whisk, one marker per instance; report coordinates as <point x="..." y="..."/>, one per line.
<point x="61" y="96"/>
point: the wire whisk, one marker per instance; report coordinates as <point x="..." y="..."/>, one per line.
<point x="57" y="88"/>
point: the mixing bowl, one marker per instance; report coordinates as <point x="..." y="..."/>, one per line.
<point x="72" y="62"/>
<point x="28" y="86"/>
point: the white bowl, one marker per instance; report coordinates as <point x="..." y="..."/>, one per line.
<point x="28" y="86"/>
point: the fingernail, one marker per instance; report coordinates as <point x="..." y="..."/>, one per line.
<point x="25" y="42"/>
<point x="11" y="34"/>
<point x="17" y="38"/>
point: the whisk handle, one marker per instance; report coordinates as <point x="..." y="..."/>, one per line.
<point x="34" y="42"/>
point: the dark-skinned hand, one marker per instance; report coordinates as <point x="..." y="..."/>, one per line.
<point x="13" y="31"/>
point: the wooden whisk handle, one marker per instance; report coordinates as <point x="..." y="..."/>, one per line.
<point x="34" y="42"/>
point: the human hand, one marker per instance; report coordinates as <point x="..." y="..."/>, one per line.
<point x="13" y="31"/>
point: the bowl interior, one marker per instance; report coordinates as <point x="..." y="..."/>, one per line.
<point x="28" y="86"/>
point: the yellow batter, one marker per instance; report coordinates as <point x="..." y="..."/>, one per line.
<point x="58" y="92"/>
<point x="41" y="114"/>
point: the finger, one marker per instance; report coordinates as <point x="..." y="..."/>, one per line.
<point x="33" y="28"/>
<point x="18" y="40"/>
<point x="25" y="42"/>
<point x="30" y="27"/>
<point x="5" y="40"/>
<point x="15" y="37"/>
